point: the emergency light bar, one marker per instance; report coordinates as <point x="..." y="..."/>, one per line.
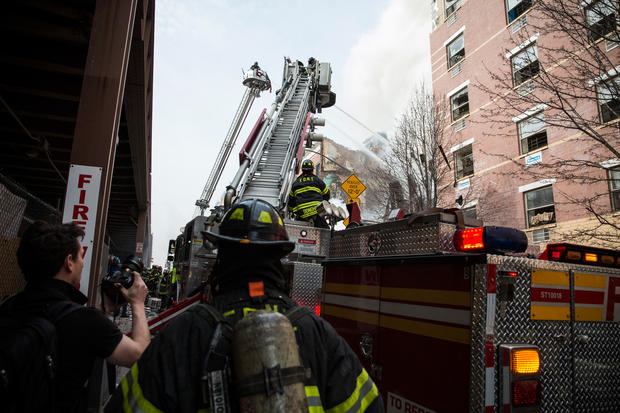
<point x="581" y="254"/>
<point x="490" y="239"/>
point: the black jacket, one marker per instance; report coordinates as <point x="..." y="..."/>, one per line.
<point x="167" y="377"/>
<point x="83" y="336"/>
<point x="306" y="195"/>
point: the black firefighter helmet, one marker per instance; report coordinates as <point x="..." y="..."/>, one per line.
<point x="307" y="166"/>
<point x="253" y="222"/>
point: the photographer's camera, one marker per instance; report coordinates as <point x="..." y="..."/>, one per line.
<point x="123" y="276"/>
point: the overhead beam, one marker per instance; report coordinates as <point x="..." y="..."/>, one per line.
<point x="29" y="26"/>
<point x="35" y="132"/>
<point x="40" y="65"/>
<point x="99" y="111"/>
<point x="39" y="92"/>
<point x="55" y="8"/>
<point x="44" y="115"/>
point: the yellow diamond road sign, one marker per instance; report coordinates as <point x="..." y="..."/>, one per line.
<point x="353" y="186"/>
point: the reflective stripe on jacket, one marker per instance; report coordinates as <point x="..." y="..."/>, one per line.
<point x="306" y="195"/>
<point x="167" y="376"/>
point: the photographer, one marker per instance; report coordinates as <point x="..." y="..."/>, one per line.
<point x="51" y="259"/>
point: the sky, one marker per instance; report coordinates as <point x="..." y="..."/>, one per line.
<point x="378" y="49"/>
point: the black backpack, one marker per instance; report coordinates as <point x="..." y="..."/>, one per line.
<point x="28" y="353"/>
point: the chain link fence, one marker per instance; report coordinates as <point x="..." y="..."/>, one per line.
<point x="18" y="209"/>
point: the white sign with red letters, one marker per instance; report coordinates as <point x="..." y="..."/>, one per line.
<point x="81" y="202"/>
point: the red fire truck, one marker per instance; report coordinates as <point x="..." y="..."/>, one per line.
<point x="449" y="319"/>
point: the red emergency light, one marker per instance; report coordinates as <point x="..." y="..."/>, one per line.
<point x="564" y="252"/>
<point x="317" y="310"/>
<point x="490" y="239"/>
<point x="525" y="392"/>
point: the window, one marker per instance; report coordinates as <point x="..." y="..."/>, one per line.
<point x="456" y="51"/>
<point x="516" y="8"/>
<point x="451" y="6"/>
<point x="464" y="162"/>
<point x="609" y="99"/>
<point x="601" y="18"/>
<point x="541" y="235"/>
<point x="532" y="133"/>
<point x="525" y="65"/>
<point x="539" y="207"/>
<point x="459" y="102"/>
<point x="614" y="184"/>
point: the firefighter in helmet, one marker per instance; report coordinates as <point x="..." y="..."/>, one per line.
<point x="247" y="275"/>
<point x="307" y="194"/>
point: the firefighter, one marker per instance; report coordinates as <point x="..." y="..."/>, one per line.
<point x="307" y="194"/>
<point x="163" y="289"/>
<point x="247" y="275"/>
<point x="175" y="284"/>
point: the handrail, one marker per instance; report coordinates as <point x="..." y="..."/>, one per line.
<point x="259" y="147"/>
<point x="243" y="153"/>
<point x="249" y="162"/>
<point x="288" y="165"/>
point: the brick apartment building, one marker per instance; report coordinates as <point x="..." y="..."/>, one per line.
<point x="471" y="39"/>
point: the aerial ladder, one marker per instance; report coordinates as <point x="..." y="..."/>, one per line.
<point x="272" y="154"/>
<point x="269" y="160"/>
<point x="256" y="81"/>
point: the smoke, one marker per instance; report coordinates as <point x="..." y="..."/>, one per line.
<point x="386" y="64"/>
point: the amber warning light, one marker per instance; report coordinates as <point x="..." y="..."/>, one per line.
<point x="490" y="239"/>
<point x="525" y="361"/>
<point x="520" y="381"/>
<point x="564" y="252"/>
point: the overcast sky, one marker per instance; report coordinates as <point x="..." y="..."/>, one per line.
<point x="379" y="51"/>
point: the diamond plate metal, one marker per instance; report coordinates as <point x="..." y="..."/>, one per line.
<point x="432" y="234"/>
<point x="596" y="363"/>
<point x="597" y="367"/>
<point x="587" y="382"/>
<point x="297" y="230"/>
<point x="307" y="282"/>
<point x="478" y="335"/>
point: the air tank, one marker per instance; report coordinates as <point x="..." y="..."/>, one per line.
<point x="264" y="346"/>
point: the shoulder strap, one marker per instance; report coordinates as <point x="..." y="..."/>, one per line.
<point x="215" y="366"/>
<point x="297" y="312"/>
<point x="53" y="311"/>
<point x="209" y="313"/>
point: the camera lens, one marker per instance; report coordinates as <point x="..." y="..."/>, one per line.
<point x="124" y="277"/>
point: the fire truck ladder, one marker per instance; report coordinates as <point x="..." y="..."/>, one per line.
<point x="256" y="81"/>
<point x="267" y="175"/>
<point x="269" y="165"/>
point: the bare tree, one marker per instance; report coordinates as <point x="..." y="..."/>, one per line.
<point x="416" y="159"/>
<point x="564" y="76"/>
<point x="384" y="192"/>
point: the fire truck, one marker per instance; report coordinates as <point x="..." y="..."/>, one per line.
<point x="269" y="162"/>
<point x="445" y="314"/>
<point x="449" y="316"/>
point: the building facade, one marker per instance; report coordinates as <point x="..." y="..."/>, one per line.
<point x="519" y="158"/>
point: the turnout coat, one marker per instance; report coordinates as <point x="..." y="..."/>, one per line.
<point x="167" y="378"/>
